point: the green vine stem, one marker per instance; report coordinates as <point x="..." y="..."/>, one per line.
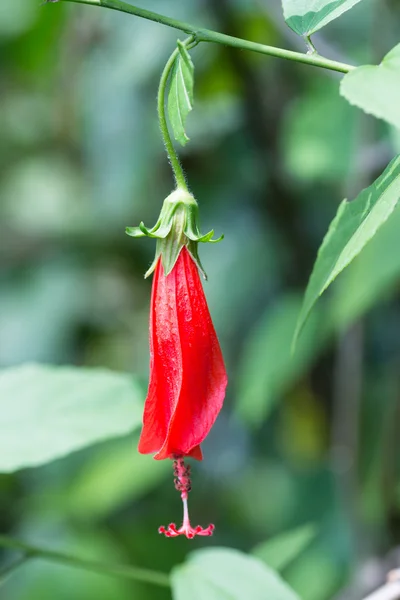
<point x="169" y="146"/>
<point x="136" y="573"/>
<point x="207" y="35"/>
<point x="311" y="48"/>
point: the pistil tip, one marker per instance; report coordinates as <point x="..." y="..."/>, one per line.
<point x="187" y="530"/>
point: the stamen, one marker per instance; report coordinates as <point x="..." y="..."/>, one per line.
<point x="183" y="484"/>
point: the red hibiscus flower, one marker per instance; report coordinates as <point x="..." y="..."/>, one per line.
<point x="187" y="371"/>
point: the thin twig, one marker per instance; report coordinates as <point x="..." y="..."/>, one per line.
<point x="208" y="35"/>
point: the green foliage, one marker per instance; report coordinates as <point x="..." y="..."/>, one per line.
<point x="376" y="89"/>
<point x="18" y="20"/>
<point x="273" y="146"/>
<point x="281" y="550"/>
<point x="315" y="575"/>
<point x="354" y="225"/>
<point x="11" y="567"/>
<point x="112" y="477"/>
<point x="268" y="369"/>
<point x="180" y="97"/>
<point x="305" y="17"/>
<point x="225" y="573"/>
<point x="370" y="277"/>
<point x="315" y="148"/>
<point x="47" y="580"/>
<point x="48" y="412"/>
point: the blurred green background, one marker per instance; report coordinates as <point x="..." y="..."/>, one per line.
<point x="305" y="440"/>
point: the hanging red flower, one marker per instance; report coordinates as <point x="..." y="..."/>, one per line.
<point x="187" y="371"/>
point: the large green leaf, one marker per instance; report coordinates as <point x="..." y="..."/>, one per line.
<point x="180" y="97"/>
<point x="307" y="16"/>
<point x="376" y="89"/>
<point x="354" y="225"/>
<point x="268" y="368"/>
<point x="226" y="574"/>
<point x="47" y="412"/>
<point x="279" y="551"/>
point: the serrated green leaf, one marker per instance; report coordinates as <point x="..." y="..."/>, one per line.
<point x="305" y="17"/>
<point x="279" y="551"/>
<point x="180" y="97"/>
<point x="376" y="89"/>
<point x="226" y="574"/>
<point x="354" y="225"/>
<point x="46" y="412"/>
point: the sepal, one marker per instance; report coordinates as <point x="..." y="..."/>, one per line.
<point x="177" y="226"/>
<point x="158" y="231"/>
<point x="192" y="249"/>
<point x="192" y="229"/>
<point x="135" y="232"/>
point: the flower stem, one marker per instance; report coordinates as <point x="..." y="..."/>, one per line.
<point x="136" y="573"/>
<point x="208" y="35"/>
<point x="162" y="118"/>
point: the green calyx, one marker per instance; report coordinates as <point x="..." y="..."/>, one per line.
<point x="177" y="226"/>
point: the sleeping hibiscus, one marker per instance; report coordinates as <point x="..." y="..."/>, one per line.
<point x="187" y="372"/>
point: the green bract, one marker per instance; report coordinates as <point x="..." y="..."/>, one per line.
<point x="177" y="226"/>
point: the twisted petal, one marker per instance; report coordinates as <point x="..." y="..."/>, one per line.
<point x="188" y="376"/>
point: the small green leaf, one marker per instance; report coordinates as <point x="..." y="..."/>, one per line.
<point x="226" y="574"/>
<point x="281" y="550"/>
<point x="47" y="412"/>
<point x="305" y="17"/>
<point x="180" y="97"/>
<point x="354" y="225"/>
<point x="376" y="89"/>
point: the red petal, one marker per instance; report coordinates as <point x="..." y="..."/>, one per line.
<point x="165" y="363"/>
<point x="188" y="376"/>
